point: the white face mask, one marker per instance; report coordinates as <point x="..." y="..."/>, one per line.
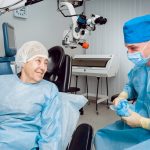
<point x="137" y="57"/>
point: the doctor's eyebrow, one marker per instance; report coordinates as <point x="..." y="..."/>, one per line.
<point x="133" y="47"/>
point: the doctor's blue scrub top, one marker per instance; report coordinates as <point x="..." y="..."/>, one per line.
<point x="120" y="136"/>
<point x="29" y="115"/>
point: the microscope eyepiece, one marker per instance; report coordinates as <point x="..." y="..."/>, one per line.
<point x="100" y="20"/>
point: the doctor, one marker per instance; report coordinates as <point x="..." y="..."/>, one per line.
<point x="29" y="106"/>
<point x="133" y="131"/>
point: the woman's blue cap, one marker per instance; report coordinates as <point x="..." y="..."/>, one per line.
<point x="137" y="30"/>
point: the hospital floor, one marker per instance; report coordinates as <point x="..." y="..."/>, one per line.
<point x="105" y="116"/>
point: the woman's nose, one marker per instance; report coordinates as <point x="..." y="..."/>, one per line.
<point x="43" y="66"/>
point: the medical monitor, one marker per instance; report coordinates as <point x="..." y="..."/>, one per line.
<point x="11" y="36"/>
<point x="95" y="65"/>
<point x="90" y="62"/>
<point x="9" y="39"/>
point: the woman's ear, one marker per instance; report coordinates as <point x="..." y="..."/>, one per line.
<point x="22" y="65"/>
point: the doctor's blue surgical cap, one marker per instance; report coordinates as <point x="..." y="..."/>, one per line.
<point x="137" y="30"/>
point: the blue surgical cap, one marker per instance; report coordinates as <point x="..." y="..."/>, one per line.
<point x="137" y="30"/>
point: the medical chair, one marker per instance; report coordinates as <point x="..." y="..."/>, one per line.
<point x="56" y="57"/>
<point x="59" y="68"/>
<point x="9" y="47"/>
<point x="60" y="71"/>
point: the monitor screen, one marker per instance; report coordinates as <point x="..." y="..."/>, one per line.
<point x="11" y="37"/>
<point x="90" y="62"/>
<point x="9" y="40"/>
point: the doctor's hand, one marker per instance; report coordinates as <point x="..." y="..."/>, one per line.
<point x="116" y="101"/>
<point x="123" y="95"/>
<point x="134" y="120"/>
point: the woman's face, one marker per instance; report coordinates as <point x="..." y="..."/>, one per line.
<point x="34" y="70"/>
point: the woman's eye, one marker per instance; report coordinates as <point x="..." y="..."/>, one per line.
<point x="38" y="61"/>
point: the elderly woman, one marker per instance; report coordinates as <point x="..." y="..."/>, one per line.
<point x="29" y="106"/>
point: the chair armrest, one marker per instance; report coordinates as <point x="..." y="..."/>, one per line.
<point x="116" y="95"/>
<point x="82" y="138"/>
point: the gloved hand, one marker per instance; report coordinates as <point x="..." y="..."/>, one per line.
<point x="122" y="95"/>
<point x="134" y="120"/>
<point x="122" y="108"/>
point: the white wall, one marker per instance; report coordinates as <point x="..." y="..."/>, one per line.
<point x="44" y="23"/>
<point x="108" y="39"/>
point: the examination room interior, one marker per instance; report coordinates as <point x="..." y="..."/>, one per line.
<point x="46" y="24"/>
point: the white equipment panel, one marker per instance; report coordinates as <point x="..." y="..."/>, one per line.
<point x="95" y="65"/>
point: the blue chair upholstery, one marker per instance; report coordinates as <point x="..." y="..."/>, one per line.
<point x="5" y="68"/>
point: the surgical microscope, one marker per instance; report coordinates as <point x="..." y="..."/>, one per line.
<point x="81" y="26"/>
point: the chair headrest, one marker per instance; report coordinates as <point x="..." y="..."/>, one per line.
<point x="56" y="56"/>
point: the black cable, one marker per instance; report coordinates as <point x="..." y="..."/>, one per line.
<point x="11" y="5"/>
